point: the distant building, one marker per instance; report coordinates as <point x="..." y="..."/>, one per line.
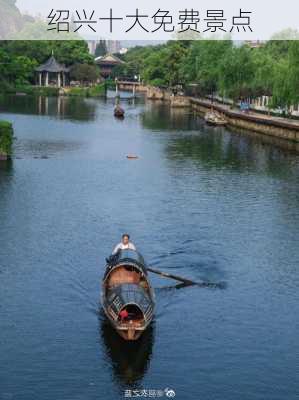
<point x="92" y="45"/>
<point x="255" y="44"/>
<point x="107" y="63"/>
<point x="113" y="46"/>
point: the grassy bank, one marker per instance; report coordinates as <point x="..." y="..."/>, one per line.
<point x="6" y="139"/>
<point x="29" y="90"/>
<point x="110" y="84"/>
<point x="93" y="91"/>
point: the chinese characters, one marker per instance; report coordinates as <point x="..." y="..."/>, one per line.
<point x="212" y="21"/>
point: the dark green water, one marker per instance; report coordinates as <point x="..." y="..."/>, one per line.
<point x="200" y="202"/>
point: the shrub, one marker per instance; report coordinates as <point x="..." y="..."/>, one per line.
<point x="6" y="138"/>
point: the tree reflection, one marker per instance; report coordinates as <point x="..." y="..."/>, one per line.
<point x="217" y="147"/>
<point x="60" y="107"/>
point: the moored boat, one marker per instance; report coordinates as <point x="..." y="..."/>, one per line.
<point x="127" y="296"/>
<point x="214" y="118"/>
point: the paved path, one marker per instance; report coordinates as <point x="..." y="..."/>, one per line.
<point x="250" y="115"/>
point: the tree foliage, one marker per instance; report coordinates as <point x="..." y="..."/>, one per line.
<point x="230" y="69"/>
<point x="85" y="73"/>
<point x="236" y="73"/>
<point x="6" y="137"/>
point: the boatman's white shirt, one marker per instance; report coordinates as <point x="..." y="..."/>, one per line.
<point x="122" y="246"/>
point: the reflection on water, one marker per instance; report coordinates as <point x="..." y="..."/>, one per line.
<point x="218" y="149"/>
<point x="159" y="116"/>
<point x="72" y="108"/>
<point x="6" y="177"/>
<point x="43" y="149"/>
<point x="5" y="167"/>
<point x="288" y="145"/>
<point x="129" y="360"/>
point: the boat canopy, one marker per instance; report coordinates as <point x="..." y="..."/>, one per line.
<point x="132" y="255"/>
<point x="129" y="293"/>
<point x="126" y="257"/>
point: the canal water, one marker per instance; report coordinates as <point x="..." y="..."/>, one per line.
<point x="202" y="202"/>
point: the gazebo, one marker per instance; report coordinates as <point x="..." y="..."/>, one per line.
<point x="52" y="73"/>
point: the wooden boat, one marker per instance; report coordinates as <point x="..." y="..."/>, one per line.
<point x="214" y="118"/>
<point x="127" y="296"/>
<point x="119" y="112"/>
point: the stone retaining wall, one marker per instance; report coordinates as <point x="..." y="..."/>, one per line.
<point x="262" y="124"/>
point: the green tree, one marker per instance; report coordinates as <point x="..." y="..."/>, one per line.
<point x="237" y="73"/>
<point x="155" y="70"/>
<point x="203" y="63"/>
<point x="22" y="70"/>
<point x="84" y="73"/>
<point x="70" y="52"/>
<point x="294" y="71"/>
<point x="65" y="51"/>
<point x="176" y="55"/>
<point x="281" y="87"/>
<point x="264" y="67"/>
<point x="286" y="79"/>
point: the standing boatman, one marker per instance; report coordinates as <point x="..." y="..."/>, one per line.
<point x="124" y="244"/>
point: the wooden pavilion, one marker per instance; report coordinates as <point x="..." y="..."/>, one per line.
<point x="107" y="63"/>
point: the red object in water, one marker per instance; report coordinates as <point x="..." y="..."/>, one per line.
<point x="132" y="157"/>
<point x="123" y="314"/>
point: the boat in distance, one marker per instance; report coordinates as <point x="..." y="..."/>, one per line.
<point x="128" y="299"/>
<point x="119" y="112"/>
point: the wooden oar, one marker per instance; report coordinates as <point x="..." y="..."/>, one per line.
<point x="220" y="285"/>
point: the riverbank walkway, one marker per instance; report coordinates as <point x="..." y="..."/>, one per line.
<point x="254" y="116"/>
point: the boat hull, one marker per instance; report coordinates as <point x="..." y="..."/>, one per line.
<point x="213" y="123"/>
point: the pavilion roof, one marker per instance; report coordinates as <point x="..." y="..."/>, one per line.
<point x="51" y="65"/>
<point x="108" y="59"/>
